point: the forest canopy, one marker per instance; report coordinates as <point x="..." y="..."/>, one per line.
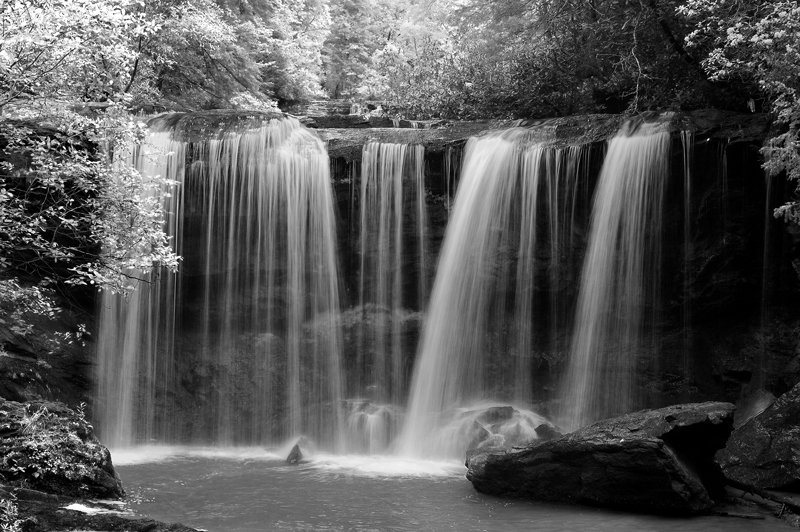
<point x="426" y="58"/>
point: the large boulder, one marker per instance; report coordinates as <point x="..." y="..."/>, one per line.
<point x="48" y="447"/>
<point x="657" y="461"/>
<point x="765" y="451"/>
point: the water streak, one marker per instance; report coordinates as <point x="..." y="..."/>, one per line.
<point x="252" y="319"/>
<point x="620" y="280"/>
<point x="479" y="335"/>
<point x="393" y="271"/>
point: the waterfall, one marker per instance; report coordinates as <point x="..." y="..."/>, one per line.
<point x="620" y="280"/>
<point x="132" y="331"/>
<point x="242" y="346"/>
<point x="687" y="142"/>
<point x="393" y="282"/>
<point x="479" y="334"/>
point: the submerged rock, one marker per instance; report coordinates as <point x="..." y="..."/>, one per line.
<point x="48" y="447"/>
<point x="765" y="451"/>
<point x="652" y="461"/>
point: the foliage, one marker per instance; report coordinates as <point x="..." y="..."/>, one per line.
<point x="55" y="49"/>
<point x="516" y="58"/>
<point x="70" y="216"/>
<point x="50" y="447"/>
<point x="359" y="28"/>
<point x="207" y="54"/>
<point x="757" y="43"/>
<point x="185" y="54"/>
<point x="9" y="521"/>
<point x="198" y="56"/>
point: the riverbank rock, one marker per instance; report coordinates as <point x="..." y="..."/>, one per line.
<point x="27" y="510"/>
<point x="48" y="447"/>
<point x="658" y="461"/>
<point x="765" y="451"/>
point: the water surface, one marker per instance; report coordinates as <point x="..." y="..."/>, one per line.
<point x="248" y="490"/>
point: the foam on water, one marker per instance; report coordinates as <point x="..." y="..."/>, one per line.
<point x="376" y="466"/>
<point x="148" y="454"/>
<point x="373" y="466"/>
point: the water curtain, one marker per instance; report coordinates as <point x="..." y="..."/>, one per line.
<point x="618" y="301"/>
<point x="242" y="346"/>
<point x="514" y="200"/>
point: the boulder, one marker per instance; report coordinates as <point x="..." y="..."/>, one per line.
<point x="765" y="451"/>
<point x="658" y="461"/>
<point x="48" y="447"/>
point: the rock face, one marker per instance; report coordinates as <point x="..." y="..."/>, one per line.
<point x="765" y="451"/>
<point x="48" y="447"/>
<point x="657" y="461"/>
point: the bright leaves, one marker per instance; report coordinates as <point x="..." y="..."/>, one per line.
<point x="758" y="43"/>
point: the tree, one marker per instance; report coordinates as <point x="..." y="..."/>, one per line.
<point x="520" y="59"/>
<point x="757" y="44"/>
<point x="69" y="215"/>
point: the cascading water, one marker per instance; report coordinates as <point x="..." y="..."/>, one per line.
<point x="242" y="346"/>
<point x="133" y="330"/>
<point x="620" y="279"/>
<point x="476" y="349"/>
<point x="393" y="286"/>
<point x="687" y="141"/>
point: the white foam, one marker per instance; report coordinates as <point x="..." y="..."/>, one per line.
<point x="160" y="453"/>
<point x="90" y="510"/>
<point x="377" y="466"/>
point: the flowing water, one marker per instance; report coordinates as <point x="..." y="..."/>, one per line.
<point x="244" y="345"/>
<point x="250" y="490"/>
<point x="256" y="299"/>
<point x="618" y="298"/>
<point x="480" y="328"/>
<point x="393" y="270"/>
<point x="243" y="348"/>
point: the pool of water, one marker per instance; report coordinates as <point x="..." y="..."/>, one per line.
<point x="245" y="490"/>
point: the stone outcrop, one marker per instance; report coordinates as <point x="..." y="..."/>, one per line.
<point x="657" y="461"/>
<point x="47" y="447"/>
<point x="765" y="451"/>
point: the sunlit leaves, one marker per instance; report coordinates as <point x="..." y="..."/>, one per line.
<point x="67" y="49"/>
<point x="757" y="42"/>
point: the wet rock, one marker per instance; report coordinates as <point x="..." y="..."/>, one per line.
<point x="546" y="432"/>
<point x="765" y="451"/>
<point x="48" y="447"/>
<point x="295" y="456"/>
<point x="47" y="515"/>
<point x="657" y="461"/>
